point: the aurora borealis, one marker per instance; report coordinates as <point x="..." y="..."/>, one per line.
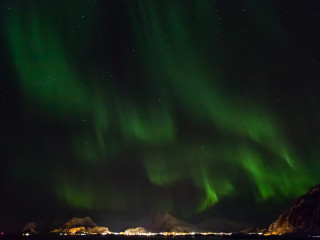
<point x="135" y="107"/>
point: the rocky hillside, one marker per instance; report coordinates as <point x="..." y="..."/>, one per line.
<point x="302" y="217"/>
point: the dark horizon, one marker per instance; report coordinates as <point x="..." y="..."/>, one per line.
<point x="124" y="109"/>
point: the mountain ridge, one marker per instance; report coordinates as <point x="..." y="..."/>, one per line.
<point x="302" y="217"/>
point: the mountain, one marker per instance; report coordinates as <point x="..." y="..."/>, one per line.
<point x="302" y="218"/>
<point x="81" y="225"/>
<point x="30" y="227"/>
<point x="77" y="222"/>
<point x="136" y="231"/>
<point x="164" y="222"/>
<point x="221" y="225"/>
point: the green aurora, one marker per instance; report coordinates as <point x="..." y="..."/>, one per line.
<point x="154" y="103"/>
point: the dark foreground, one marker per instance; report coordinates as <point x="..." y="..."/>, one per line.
<point x="43" y="237"/>
<point x="106" y="237"/>
<point x="121" y="237"/>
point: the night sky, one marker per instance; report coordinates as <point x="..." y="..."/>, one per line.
<point x="122" y="109"/>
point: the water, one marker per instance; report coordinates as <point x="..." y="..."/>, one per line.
<point x="122" y="237"/>
<point x="107" y="237"/>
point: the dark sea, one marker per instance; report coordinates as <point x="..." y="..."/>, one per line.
<point x="118" y="237"/>
<point x="51" y="237"/>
